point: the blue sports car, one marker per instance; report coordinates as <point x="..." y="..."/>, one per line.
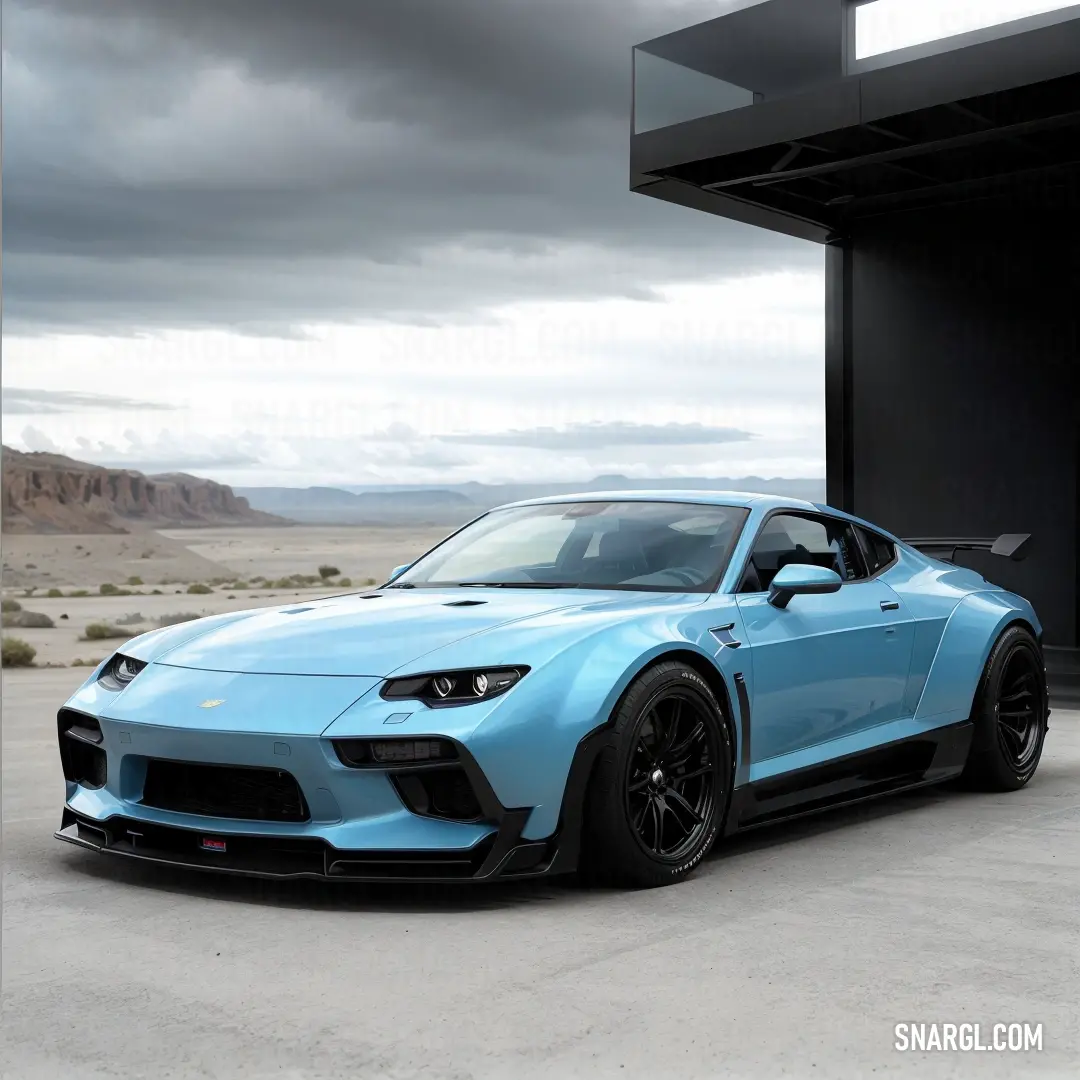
<point x="605" y="683"/>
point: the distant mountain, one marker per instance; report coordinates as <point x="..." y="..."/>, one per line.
<point x="336" y="506"/>
<point x="50" y="493"/>
<point x="455" y="504"/>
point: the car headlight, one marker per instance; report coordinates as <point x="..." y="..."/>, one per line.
<point x="454" y="687"/>
<point x="119" y="671"/>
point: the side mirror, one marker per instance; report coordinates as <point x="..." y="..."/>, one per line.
<point x="801" y="579"/>
<point x="398" y="571"/>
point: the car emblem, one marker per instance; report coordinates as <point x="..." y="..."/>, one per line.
<point x="212" y="703"/>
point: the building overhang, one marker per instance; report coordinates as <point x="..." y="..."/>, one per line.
<point x="806" y="140"/>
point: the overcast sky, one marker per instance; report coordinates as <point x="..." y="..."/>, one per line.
<point x="361" y="241"/>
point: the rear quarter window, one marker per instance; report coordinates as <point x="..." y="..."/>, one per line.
<point x="880" y="551"/>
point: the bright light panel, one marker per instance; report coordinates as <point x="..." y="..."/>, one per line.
<point x="886" y="25"/>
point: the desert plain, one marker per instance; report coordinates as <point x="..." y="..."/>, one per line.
<point x="166" y="563"/>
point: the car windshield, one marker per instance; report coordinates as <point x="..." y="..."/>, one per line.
<point x="654" y="546"/>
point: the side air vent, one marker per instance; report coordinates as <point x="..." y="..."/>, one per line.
<point x="82" y="754"/>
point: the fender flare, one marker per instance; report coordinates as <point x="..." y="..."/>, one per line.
<point x="973" y="627"/>
<point x="572" y="810"/>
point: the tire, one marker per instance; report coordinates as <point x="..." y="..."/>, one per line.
<point x="1010" y="713"/>
<point x="661" y="786"/>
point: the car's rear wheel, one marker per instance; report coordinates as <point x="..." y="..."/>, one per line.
<point x="660" y="789"/>
<point x="1010" y="714"/>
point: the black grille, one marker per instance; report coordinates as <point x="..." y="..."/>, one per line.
<point x="228" y="791"/>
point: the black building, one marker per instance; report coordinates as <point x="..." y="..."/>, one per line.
<point x="944" y="182"/>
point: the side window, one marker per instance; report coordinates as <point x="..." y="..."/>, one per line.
<point x="798" y="538"/>
<point x="879" y="551"/>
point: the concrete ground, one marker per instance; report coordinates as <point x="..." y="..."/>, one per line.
<point x="792" y="952"/>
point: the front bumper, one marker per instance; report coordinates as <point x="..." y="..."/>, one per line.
<point x="353" y="823"/>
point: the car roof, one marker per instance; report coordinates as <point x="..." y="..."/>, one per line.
<point x="746" y="499"/>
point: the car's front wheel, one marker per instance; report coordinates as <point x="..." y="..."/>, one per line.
<point x="1010" y="714"/>
<point x="661" y="785"/>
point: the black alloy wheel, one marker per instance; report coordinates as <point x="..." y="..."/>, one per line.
<point x="1018" y="707"/>
<point x="1010" y="714"/>
<point x="671" y="781"/>
<point x="661" y="785"/>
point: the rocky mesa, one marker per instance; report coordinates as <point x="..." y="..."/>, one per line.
<point x="49" y="493"/>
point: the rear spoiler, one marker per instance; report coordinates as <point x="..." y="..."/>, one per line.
<point x="1011" y="545"/>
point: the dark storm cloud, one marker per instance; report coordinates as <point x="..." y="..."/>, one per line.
<point x="26" y="402"/>
<point x="596" y="436"/>
<point x="260" y="164"/>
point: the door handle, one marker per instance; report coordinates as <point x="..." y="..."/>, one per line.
<point x="890" y="605"/>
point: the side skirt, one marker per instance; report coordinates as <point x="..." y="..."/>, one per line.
<point x="928" y="758"/>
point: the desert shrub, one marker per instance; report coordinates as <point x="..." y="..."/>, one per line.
<point x="31" y="566"/>
<point x="198" y="589"/>
<point x="7" y="604"/>
<point x="102" y="631"/>
<point x="64" y="616"/>
<point x="178" y="617"/>
<point x="108" y="589"/>
<point x="78" y="593"/>
<point x="54" y="594"/>
<point x="282" y="583"/>
<point x="328" y="572"/>
<point x="135" y="580"/>
<point x="27" y="593"/>
<point x="156" y="592"/>
<point x="85" y="663"/>
<point x="345" y="583"/>
<point x="16" y="652"/>
<point x="369" y="581"/>
<point x="130" y="620"/>
<point x="240" y="585"/>
<point x="36" y="620"/>
<point x="258" y="577"/>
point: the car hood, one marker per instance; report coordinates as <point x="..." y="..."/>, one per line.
<point x="371" y="635"/>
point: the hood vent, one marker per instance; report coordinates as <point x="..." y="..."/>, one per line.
<point x="295" y="610"/>
<point x="465" y="603"/>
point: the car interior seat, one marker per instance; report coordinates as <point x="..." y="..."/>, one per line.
<point x="620" y="553"/>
